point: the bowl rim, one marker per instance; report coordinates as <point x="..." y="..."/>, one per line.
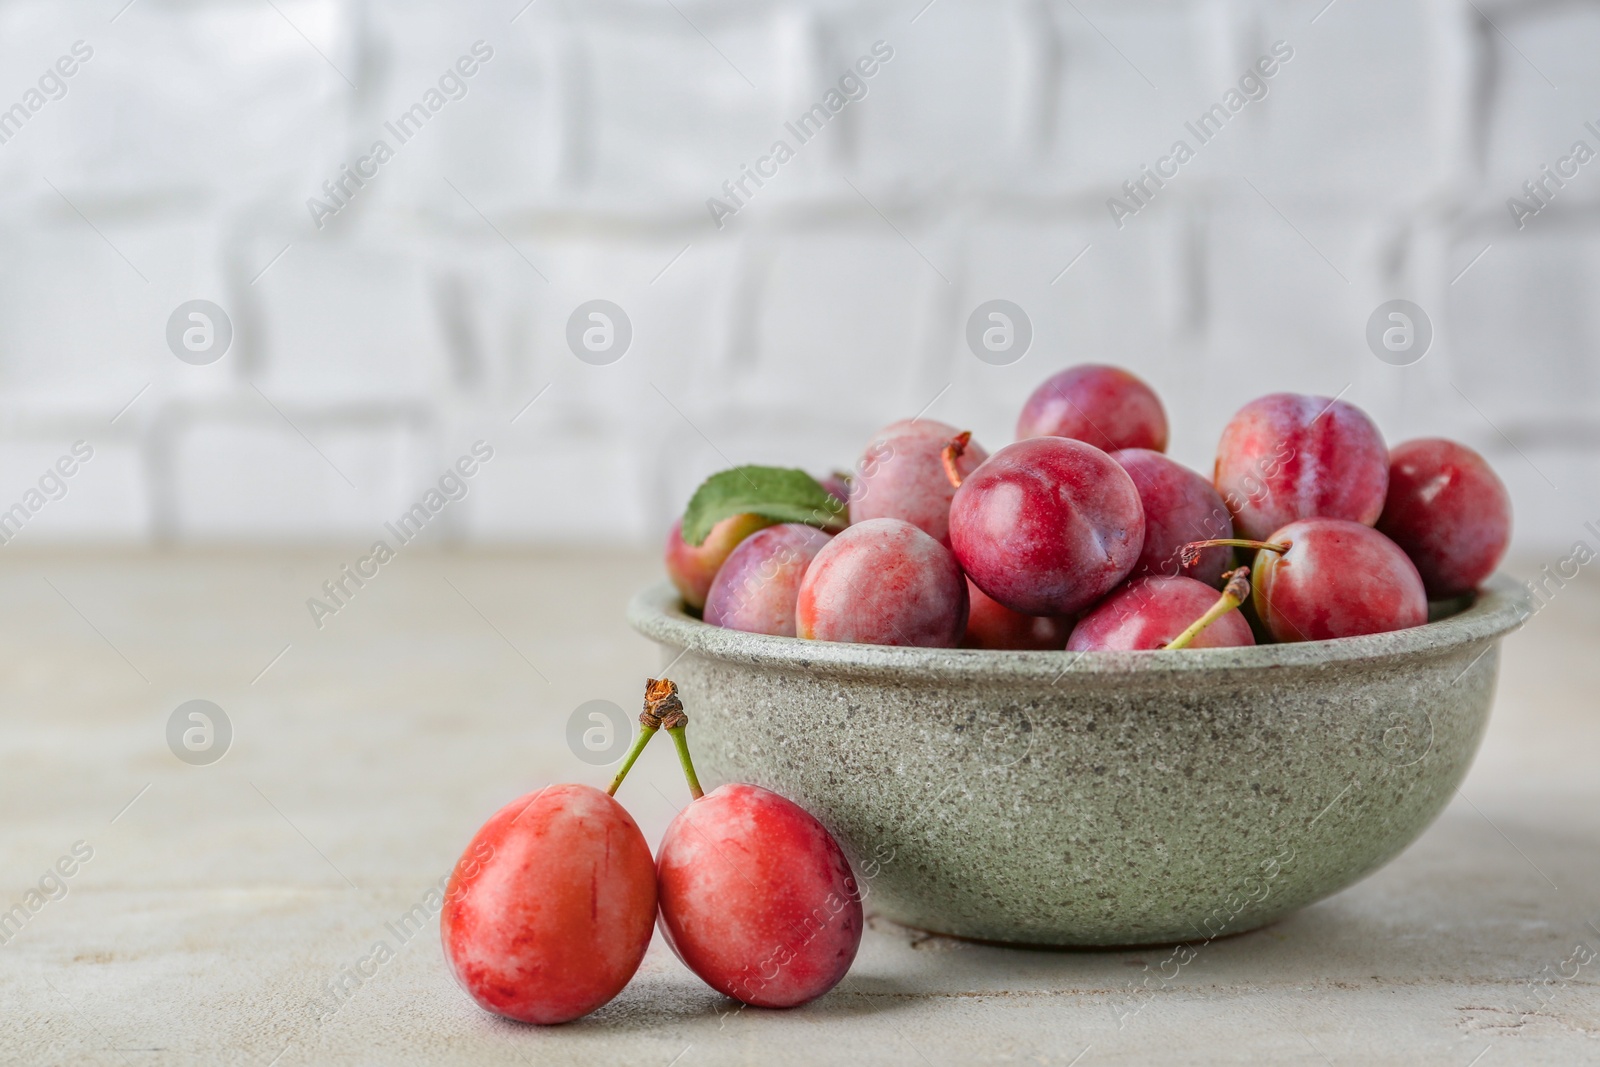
<point x="657" y="612"/>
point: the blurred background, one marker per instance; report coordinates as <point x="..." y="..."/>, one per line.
<point x="380" y="311"/>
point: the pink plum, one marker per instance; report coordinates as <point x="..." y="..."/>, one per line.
<point x="884" y="582"/>
<point x="1336" y="579"/>
<point x="1449" y="511"/>
<point x="550" y="909"/>
<point x="1180" y="506"/>
<point x="1285" y="456"/>
<point x="692" y="567"/>
<point x="757" y="587"/>
<point x="1148" y="613"/>
<point x="990" y="624"/>
<point x="1104" y="406"/>
<point x="902" y="476"/>
<point x="757" y="898"/>
<point x="1047" y="526"/>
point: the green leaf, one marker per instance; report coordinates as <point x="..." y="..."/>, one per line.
<point x="777" y="493"/>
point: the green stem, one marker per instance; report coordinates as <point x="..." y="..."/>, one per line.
<point x="682" y="742"/>
<point x="1233" y="594"/>
<point x="645" y="734"/>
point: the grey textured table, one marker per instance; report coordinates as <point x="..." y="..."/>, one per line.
<point x="229" y="913"/>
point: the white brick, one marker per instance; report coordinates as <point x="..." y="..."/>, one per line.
<point x="191" y="103"/>
<point x="503" y="131"/>
<point x="1523" y="327"/>
<point x="80" y="329"/>
<point x="1352" y="114"/>
<point x="106" y="498"/>
<point x="822" y="340"/>
<point x="1111" y="121"/>
<point x="605" y="110"/>
<point x="340" y="322"/>
<point x="928" y="123"/>
<point x="1530" y="123"/>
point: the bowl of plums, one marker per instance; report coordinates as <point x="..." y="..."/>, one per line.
<point x="1072" y="692"/>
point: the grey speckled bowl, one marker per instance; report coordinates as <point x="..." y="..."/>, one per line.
<point x="1108" y="798"/>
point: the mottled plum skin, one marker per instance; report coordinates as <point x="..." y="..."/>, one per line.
<point x="551" y="907"/>
<point x="883" y="582"/>
<point x="901" y="476"/>
<point x="693" y="567"/>
<point x="1285" y="456"/>
<point x="1448" y="511"/>
<point x="1180" y="506"/>
<point x="990" y="624"/>
<point x="1338" y="579"/>
<point x="1047" y="526"/>
<point x="757" y="898"/>
<point x="1149" y="613"/>
<point x="1104" y="406"/>
<point x="757" y="587"/>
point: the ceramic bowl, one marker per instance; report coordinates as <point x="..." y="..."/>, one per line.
<point x="1104" y="798"/>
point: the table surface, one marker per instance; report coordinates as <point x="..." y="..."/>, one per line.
<point x="222" y="904"/>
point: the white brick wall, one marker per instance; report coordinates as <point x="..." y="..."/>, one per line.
<point x="426" y="314"/>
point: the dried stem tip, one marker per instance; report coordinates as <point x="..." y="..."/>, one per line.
<point x="660" y="702"/>
<point x="662" y="708"/>
<point x="1238" y="587"/>
<point x="954" y="449"/>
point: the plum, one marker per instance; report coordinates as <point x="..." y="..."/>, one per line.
<point x="693" y="567"/>
<point x="1285" y="456"/>
<point x="1149" y="613"/>
<point x="1047" y="526"/>
<point x="757" y="587"/>
<point x="1180" y="506"/>
<point x="1324" y="578"/>
<point x="1448" y="511"/>
<point x="550" y="909"/>
<point x="1104" y="406"/>
<point x="902" y="476"/>
<point x="884" y="582"/>
<point x="757" y="898"/>
<point x="990" y="624"/>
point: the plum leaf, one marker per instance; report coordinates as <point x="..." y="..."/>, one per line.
<point x="778" y="493"/>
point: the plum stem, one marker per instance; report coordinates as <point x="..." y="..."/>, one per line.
<point x="661" y="704"/>
<point x="646" y="732"/>
<point x="1189" y="554"/>
<point x="663" y="710"/>
<point x="679" y="739"/>
<point x="1233" y="594"/>
<point x="953" y="450"/>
